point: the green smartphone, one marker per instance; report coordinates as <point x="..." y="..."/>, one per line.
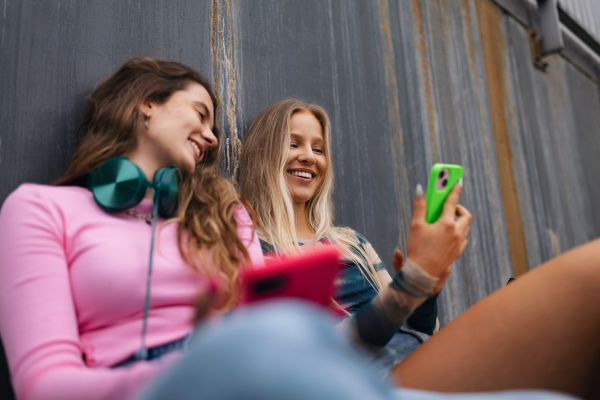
<point x="442" y="179"/>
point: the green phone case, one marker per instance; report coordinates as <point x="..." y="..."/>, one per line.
<point x="436" y="198"/>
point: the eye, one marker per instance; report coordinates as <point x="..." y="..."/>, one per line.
<point x="319" y="151"/>
<point x="201" y="115"/>
<point x="293" y="145"/>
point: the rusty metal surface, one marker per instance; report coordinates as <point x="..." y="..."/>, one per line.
<point x="406" y="83"/>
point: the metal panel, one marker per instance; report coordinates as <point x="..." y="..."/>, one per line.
<point x="406" y="83"/>
<point x="551" y="41"/>
<point x="586" y="13"/>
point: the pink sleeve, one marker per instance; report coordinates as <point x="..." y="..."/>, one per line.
<point x="38" y="323"/>
<point x="249" y="237"/>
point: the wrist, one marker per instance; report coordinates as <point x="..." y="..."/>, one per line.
<point x="423" y="263"/>
<point x="414" y="280"/>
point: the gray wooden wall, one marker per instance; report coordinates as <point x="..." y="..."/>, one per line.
<point x="406" y="82"/>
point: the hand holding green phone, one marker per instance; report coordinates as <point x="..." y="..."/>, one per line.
<point x="440" y="226"/>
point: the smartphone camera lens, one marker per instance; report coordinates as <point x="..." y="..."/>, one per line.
<point x="442" y="179"/>
<point x="270" y="285"/>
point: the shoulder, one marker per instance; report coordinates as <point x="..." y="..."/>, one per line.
<point x="30" y="195"/>
<point x="350" y="234"/>
<point x="242" y="217"/>
<point x="44" y="209"/>
<point x="363" y="244"/>
<point x="266" y="247"/>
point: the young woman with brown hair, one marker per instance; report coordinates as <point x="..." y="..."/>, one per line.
<point x="77" y="317"/>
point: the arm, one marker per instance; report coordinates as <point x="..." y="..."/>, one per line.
<point x="38" y="322"/>
<point x="423" y="319"/>
<point x="376" y="323"/>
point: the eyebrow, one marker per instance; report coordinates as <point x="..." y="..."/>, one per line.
<point x="296" y="135"/>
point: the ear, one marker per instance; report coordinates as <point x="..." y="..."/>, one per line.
<point x="146" y="108"/>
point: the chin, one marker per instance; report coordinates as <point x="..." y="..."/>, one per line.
<point x="301" y="199"/>
<point x="187" y="166"/>
<point x="189" y="170"/>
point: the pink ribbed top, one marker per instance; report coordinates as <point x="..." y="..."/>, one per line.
<point x="72" y="287"/>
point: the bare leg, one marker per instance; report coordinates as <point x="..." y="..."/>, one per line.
<point x="541" y="331"/>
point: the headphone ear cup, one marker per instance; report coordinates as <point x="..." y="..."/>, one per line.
<point x="118" y="184"/>
<point x="166" y="182"/>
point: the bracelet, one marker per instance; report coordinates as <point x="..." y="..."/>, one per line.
<point x="413" y="280"/>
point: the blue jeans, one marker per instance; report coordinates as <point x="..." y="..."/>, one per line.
<point x="156" y="353"/>
<point x="401" y="345"/>
<point x="286" y="350"/>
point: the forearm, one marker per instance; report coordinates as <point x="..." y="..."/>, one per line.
<point x="376" y="323"/>
<point x="424" y="318"/>
<point x="72" y="382"/>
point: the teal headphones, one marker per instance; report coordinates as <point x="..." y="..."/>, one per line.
<point x="119" y="185"/>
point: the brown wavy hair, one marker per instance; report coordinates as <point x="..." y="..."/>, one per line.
<point x="207" y="201"/>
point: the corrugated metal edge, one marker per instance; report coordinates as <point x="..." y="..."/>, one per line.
<point x="584" y="13"/>
<point x="575" y="50"/>
<point x="580" y="55"/>
<point x="524" y="12"/>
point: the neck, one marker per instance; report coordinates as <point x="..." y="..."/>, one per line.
<point x="148" y="167"/>
<point x="303" y="229"/>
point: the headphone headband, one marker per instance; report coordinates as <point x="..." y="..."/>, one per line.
<point x="119" y="185"/>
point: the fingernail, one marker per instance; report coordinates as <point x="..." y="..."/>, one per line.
<point x="460" y="183"/>
<point x="419" y="191"/>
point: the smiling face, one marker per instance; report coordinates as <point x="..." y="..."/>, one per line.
<point x="306" y="161"/>
<point x="179" y="131"/>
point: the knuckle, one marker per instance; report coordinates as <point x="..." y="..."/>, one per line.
<point x="448" y="225"/>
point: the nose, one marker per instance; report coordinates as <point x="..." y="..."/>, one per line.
<point x="210" y="138"/>
<point x="306" y="155"/>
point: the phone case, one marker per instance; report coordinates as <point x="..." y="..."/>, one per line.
<point x="436" y="196"/>
<point x="309" y="276"/>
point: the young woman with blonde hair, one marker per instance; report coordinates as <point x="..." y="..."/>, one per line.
<point x="539" y="332"/>
<point x="286" y="174"/>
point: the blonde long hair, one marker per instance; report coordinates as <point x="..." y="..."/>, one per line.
<point x="263" y="185"/>
<point x="207" y="201"/>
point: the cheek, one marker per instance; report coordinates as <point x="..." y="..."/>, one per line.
<point x="290" y="158"/>
<point x="287" y="178"/>
<point x="323" y="166"/>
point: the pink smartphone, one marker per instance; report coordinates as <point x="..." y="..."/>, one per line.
<point x="309" y="276"/>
